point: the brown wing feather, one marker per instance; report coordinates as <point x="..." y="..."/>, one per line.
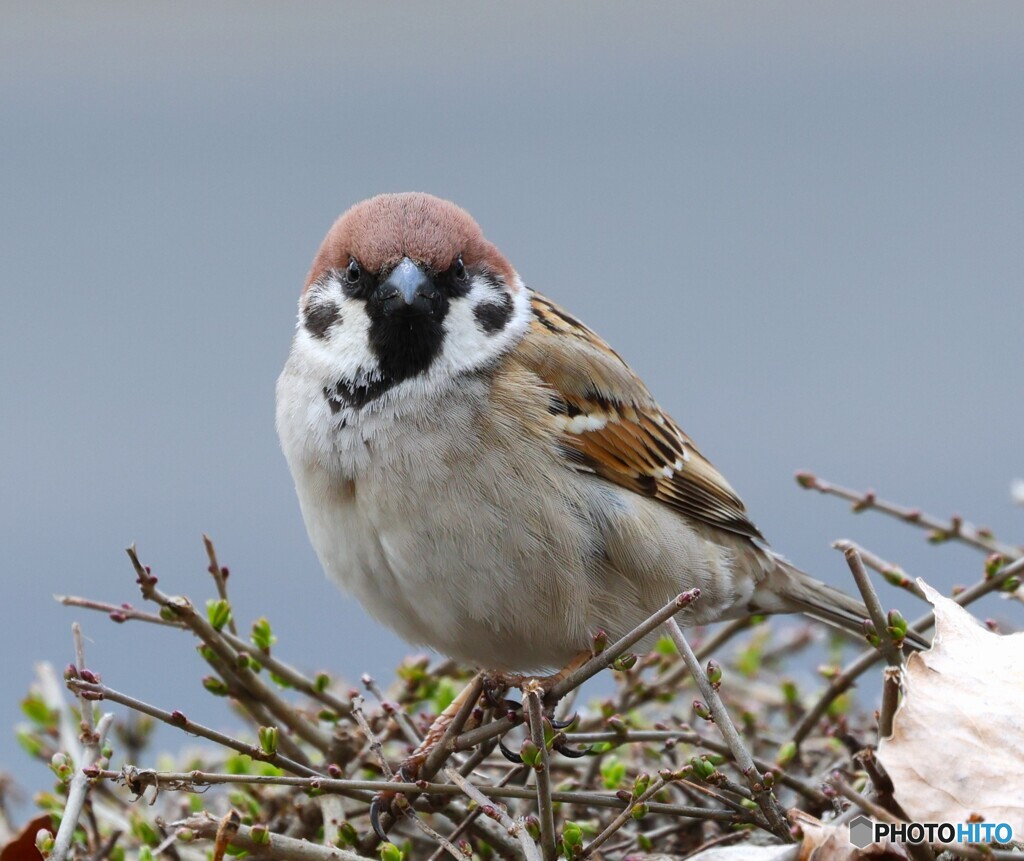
<point x="610" y="425"/>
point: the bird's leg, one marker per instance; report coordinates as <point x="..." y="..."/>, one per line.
<point x="461" y="709"/>
<point x="496" y="684"/>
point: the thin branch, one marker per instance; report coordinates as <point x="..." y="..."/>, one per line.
<point x="893" y="573"/>
<point x="515" y="830"/>
<point x="180" y="721"/>
<point x="856" y="668"/>
<point x="623" y="817"/>
<point x="219" y="577"/>
<point x="298" y="680"/>
<point x="890" y="699"/>
<point x="88" y="727"/>
<point x="690" y="737"/>
<point x="765" y="798"/>
<point x="893" y="655"/>
<point x="940" y="530"/>
<point x="189" y="781"/>
<point x="445" y="746"/>
<point x="268" y="845"/>
<point x="475" y="813"/>
<point x="79" y="788"/>
<point x="403" y="720"/>
<point x="615" y="650"/>
<point x="231" y="668"/>
<point x="118" y="612"/>
<point x="532" y="695"/>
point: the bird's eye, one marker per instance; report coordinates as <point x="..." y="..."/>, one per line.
<point x="460" y="269"/>
<point x="354" y="272"/>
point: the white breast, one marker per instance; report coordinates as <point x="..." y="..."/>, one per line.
<point x="461" y="532"/>
<point x="451" y="542"/>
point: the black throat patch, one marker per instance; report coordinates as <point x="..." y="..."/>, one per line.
<point x="404" y="346"/>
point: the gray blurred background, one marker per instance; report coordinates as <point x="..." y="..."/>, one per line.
<point x="801" y="223"/>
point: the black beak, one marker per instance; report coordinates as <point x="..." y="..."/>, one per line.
<point x="407" y="291"/>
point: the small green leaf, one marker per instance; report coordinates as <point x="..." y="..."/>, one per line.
<point x="613" y="772"/>
<point x="786" y="754"/>
<point x="665" y="647"/>
<point x="218" y="611"/>
<point x="390" y="852"/>
<point x="262" y="636"/>
<point x="572" y="834"/>
<point x="36" y="710"/>
<point x="268" y="739"/>
<point x="624" y="662"/>
<point x="531" y="755"/>
<point x="215" y="686"/>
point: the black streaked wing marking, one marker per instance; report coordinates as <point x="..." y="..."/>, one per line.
<point x="633" y="443"/>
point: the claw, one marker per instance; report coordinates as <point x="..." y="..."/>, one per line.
<point x="564" y="724"/>
<point x="375" y="810"/>
<point x="509" y="754"/>
<point x="392" y="802"/>
<point x="574" y="753"/>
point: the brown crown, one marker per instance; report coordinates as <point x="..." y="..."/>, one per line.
<point x="382" y="230"/>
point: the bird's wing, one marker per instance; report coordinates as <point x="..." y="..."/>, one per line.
<point x="610" y="425"/>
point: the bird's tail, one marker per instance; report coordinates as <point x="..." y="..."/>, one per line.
<point x="787" y="589"/>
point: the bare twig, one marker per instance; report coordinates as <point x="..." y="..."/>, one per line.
<point x="890" y="699"/>
<point x="867" y="590"/>
<point x="234" y="670"/>
<point x="623" y="817"/>
<point x="892" y="572"/>
<point x="939" y="530"/>
<point x="532" y="695"/>
<point x="515" y="829"/>
<point x="856" y="668"/>
<point x="403" y="720"/>
<point x="690" y="737"/>
<point x="298" y="680"/>
<point x="765" y="798"/>
<point x="219" y="577"/>
<point x="267" y="845"/>
<point x="92" y="745"/>
<point x="191" y="780"/>
<point x="179" y="720"/>
<point x="615" y="650"/>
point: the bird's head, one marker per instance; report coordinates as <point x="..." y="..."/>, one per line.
<point x="406" y="286"/>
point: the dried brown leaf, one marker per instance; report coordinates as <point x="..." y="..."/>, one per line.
<point x="957" y="748"/>
<point x="23" y="847"/>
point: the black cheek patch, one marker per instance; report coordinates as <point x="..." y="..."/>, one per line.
<point x="319" y="318"/>
<point x="493" y="316"/>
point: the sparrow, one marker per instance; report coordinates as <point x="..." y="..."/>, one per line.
<point x="484" y="473"/>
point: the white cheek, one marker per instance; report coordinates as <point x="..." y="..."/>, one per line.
<point x="466" y="345"/>
<point x="344" y="352"/>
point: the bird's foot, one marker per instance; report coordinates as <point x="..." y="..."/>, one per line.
<point x="392" y="802"/>
<point x="395" y="803"/>
<point x="497" y="684"/>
